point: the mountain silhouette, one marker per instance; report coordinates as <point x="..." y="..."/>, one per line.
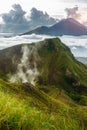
<point x="67" y="26"/>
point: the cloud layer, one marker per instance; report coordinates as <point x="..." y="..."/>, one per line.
<point x="16" y="22"/>
<point x="78" y="45"/>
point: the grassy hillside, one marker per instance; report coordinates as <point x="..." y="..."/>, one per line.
<point x="36" y="110"/>
<point x="58" y="101"/>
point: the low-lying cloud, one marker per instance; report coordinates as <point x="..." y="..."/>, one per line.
<point x="11" y="41"/>
<point x="77" y="44"/>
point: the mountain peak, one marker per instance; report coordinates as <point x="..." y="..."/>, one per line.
<point x="48" y="62"/>
<point x="72" y="21"/>
<point x="67" y="26"/>
<point x="69" y="19"/>
<point x="61" y="84"/>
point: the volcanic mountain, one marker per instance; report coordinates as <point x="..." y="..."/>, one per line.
<point x="49" y="62"/>
<point x="64" y="27"/>
<point x="42" y="86"/>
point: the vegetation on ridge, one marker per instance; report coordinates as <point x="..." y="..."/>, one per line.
<point x="59" y="98"/>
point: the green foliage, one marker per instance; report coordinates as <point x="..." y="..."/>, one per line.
<point x="53" y="103"/>
<point x="17" y="112"/>
<point x="83" y="100"/>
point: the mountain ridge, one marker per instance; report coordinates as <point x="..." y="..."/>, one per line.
<point x="49" y="62"/>
<point x="67" y="26"/>
<point x="42" y="86"/>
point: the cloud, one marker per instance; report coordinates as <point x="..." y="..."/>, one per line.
<point x="78" y="45"/>
<point x="74" y="48"/>
<point x="78" y="13"/>
<point x="15" y="15"/>
<point x="40" y="18"/>
<point x="12" y="41"/>
<point x="73" y="12"/>
<point x="16" y="21"/>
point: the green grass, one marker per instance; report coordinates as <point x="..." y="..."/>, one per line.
<point x="17" y="112"/>
<point x="57" y="102"/>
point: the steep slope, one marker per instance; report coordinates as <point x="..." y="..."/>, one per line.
<point x="25" y="107"/>
<point x="64" y="27"/>
<point x="49" y="62"/>
<point x="46" y="102"/>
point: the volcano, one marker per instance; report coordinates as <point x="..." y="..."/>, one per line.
<point x="67" y="26"/>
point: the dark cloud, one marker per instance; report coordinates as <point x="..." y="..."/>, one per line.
<point x="73" y="12"/>
<point x="15" y="15"/>
<point x="16" y="22"/>
<point x="40" y="18"/>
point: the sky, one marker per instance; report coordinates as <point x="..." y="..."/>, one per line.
<point x="53" y="7"/>
<point x="56" y="8"/>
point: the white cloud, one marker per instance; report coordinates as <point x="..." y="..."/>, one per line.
<point x="1" y="21"/>
<point x="73" y="12"/>
<point x="74" y="48"/>
<point x="78" y="45"/>
<point x="11" y="41"/>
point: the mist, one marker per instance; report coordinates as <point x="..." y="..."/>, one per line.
<point x="27" y="68"/>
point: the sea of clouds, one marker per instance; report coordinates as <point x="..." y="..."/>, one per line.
<point x="77" y="44"/>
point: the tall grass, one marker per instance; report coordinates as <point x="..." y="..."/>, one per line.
<point x="15" y="114"/>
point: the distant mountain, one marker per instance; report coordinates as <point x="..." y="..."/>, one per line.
<point x="64" y="27"/>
